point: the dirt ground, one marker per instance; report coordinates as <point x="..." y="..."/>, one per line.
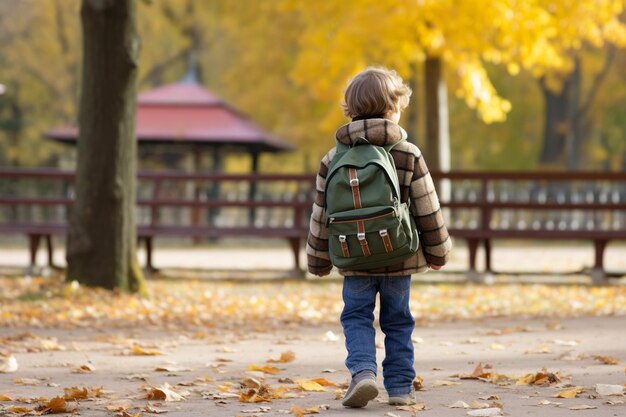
<point x="207" y="369"/>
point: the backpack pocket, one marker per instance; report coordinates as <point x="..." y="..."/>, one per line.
<point x="371" y="237"/>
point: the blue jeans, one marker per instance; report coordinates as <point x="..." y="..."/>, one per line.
<point x="396" y="322"/>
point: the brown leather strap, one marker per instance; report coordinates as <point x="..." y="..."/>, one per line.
<point x="344" y="246"/>
<point x="386" y="240"/>
<point x="361" y="236"/>
<point x="354" y="184"/>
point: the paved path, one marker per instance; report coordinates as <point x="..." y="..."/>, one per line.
<point x="221" y="358"/>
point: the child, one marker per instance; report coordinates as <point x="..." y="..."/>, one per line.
<point x="374" y="100"/>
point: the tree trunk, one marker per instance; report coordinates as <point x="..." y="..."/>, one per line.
<point x="437" y="152"/>
<point x="102" y="233"/>
<point x="555" y="125"/>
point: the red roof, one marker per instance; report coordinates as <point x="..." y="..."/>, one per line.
<point x="187" y="112"/>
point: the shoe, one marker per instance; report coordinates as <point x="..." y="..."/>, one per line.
<point x="408" y="399"/>
<point x="362" y="389"/>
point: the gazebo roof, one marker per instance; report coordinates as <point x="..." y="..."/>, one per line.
<point x="185" y="112"/>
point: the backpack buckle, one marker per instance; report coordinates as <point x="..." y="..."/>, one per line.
<point x="383" y="232"/>
<point x="342" y="238"/>
<point x="354" y="182"/>
<point x="360" y="236"/>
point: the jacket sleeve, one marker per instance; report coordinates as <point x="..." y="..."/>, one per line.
<point x="318" y="259"/>
<point x="425" y="208"/>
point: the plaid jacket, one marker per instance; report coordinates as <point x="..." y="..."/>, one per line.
<point x="416" y="184"/>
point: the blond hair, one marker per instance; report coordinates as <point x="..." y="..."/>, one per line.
<point x="375" y="92"/>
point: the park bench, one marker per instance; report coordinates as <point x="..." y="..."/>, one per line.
<point x="481" y="208"/>
<point x="290" y="217"/>
<point x="492" y="206"/>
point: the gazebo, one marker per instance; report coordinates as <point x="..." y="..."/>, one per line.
<point x="184" y="121"/>
<point x="185" y="118"/>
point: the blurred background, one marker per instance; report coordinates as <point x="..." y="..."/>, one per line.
<point x="522" y="79"/>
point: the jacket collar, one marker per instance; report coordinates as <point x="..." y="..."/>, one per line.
<point x="381" y="132"/>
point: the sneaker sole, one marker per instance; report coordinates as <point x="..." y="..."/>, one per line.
<point x="364" y="392"/>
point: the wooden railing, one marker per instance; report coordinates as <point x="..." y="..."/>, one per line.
<point x="480" y="207"/>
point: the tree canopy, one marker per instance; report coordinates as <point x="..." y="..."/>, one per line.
<point x="285" y="62"/>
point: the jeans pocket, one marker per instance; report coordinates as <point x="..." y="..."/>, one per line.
<point x="399" y="285"/>
<point x="356" y="284"/>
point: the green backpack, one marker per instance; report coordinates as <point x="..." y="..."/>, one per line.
<point x="368" y="226"/>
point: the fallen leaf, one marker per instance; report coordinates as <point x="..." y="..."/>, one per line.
<point x="57" y="405"/>
<point x="138" y="350"/>
<point x="301" y="412"/>
<point x="84" y="369"/>
<point x="4" y="397"/>
<point x="572" y="393"/>
<point x="582" y="407"/>
<point x="265" y="369"/>
<point x="542" y="377"/>
<point x="153" y="410"/>
<point x="497" y="346"/>
<point x="418" y="383"/>
<point x="606" y="389"/>
<point x="263" y="394"/>
<point x="478" y="372"/>
<point x="164" y="392"/>
<point x="459" y="404"/>
<point x="119" y="407"/>
<point x="8" y="364"/>
<point x="28" y="381"/>
<point x="324" y="382"/>
<point x="285" y="357"/>
<point x="19" y="410"/>
<point x="309" y="385"/>
<point x="167" y="368"/>
<point x="607" y="360"/>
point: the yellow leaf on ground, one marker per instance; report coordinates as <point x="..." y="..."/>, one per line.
<point x="138" y="350"/>
<point x="309" y="385"/>
<point x="119" y="407"/>
<point x="542" y="377"/>
<point x="324" y="382"/>
<point x="19" y="410"/>
<point x="4" y="397"/>
<point x="285" y="357"/>
<point x="265" y="369"/>
<point x="301" y="412"/>
<point x="572" y="393"/>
